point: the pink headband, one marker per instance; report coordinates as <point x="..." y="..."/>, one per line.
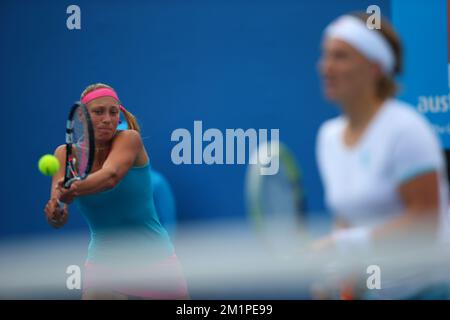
<point x="101" y="92"/>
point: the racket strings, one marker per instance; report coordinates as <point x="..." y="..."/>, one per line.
<point x="73" y="167"/>
<point x="81" y="142"/>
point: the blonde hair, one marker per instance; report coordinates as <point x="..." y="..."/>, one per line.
<point x="129" y="117"/>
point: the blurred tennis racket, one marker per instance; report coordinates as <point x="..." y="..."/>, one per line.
<point x="80" y="145"/>
<point x="276" y="203"/>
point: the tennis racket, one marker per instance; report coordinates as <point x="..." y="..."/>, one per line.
<point x="276" y="203"/>
<point x="80" y="145"/>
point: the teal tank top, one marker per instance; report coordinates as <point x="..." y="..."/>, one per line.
<point x="123" y="221"/>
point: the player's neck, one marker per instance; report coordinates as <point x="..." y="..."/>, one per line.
<point x="102" y="147"/>
<point x="101" y="153"/>
<point x="361" y="110"/>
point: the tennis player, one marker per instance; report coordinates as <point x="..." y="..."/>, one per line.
<point x="381" y="164"/>
<point x="130" y="254"/>
<point x="164" y="202"/>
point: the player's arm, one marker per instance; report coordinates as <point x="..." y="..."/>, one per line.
<point x="417" y="223"/>
<point x="416" y="163"/>
<point x="420" y="218"/>
<point x="124" y="150"/>
<point x="60" y="154"/>
<point x="55" y="216"/>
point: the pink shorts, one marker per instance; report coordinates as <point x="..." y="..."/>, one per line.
<point x="159" y="280"/>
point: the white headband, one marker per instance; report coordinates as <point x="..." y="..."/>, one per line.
<point x="370" y="43"/>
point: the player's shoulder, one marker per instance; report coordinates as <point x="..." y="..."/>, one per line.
<point x="330" y="128"/>
<point x="60" y="149"/>
<point x="60" y="153"/>
<point x="404" y="118"/>
<point x="128" y="136"/>
<point x="126" y="139"/>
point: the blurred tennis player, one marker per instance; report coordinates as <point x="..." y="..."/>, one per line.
<point x="381" y="164"/>
<point x="130" y="254"/>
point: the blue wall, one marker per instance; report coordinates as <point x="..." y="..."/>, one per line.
<point x="231" y="64"/>
<point x="426" y="78"/>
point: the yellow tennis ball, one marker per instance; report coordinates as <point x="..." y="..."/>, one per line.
<point x="48" y="165"/>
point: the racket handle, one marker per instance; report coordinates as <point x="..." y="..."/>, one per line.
<point x="59" y="210"/>
<point x="60" y="204"/>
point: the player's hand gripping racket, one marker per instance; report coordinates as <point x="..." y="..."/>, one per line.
<point x="80" y="145"/>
